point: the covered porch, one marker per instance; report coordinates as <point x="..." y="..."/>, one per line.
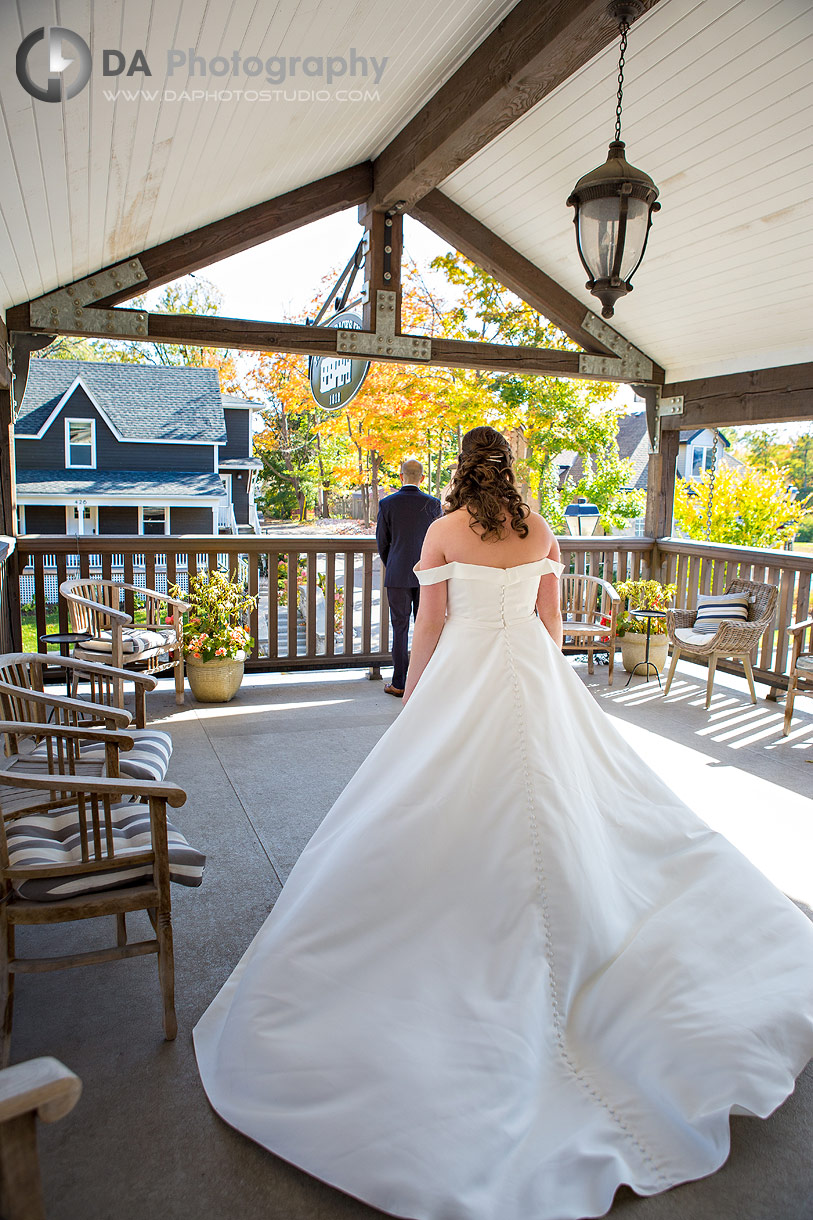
<point x="143" y="1140"/>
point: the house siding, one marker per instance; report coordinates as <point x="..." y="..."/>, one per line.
<point x="118" y="519"/>
<point x="111" y="454"/>
<point x="238" y="443"/>
<point x="45" y="518"/>
<point x="190" y="520"/>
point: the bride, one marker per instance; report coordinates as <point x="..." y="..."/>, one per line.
<point x="511" y="970"/>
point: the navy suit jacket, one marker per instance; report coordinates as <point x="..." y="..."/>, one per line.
<point x="403" y="519"/>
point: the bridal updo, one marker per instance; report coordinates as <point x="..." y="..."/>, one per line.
<point x="484" y="484"/>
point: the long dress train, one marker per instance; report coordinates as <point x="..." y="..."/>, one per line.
<point x="511" y="970"/>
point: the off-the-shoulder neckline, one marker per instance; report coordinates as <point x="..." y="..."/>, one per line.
<point x="486" y="567"/>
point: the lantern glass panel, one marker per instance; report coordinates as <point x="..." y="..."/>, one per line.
<point x="598" y="234"/>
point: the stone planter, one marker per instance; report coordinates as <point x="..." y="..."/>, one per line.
<point x="215" y="681"/>
<point x="633" y="652"/>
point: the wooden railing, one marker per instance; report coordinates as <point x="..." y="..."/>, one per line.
<point x="707" y="567"/>
<point x="322" y="601"/>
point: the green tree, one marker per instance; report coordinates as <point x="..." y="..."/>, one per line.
<point x="750" y="507"/>
<point x="799" y="465"/>
<point x="761" y="448"/>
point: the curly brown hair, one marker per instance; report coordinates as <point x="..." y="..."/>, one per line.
<point x="484" y="484"/>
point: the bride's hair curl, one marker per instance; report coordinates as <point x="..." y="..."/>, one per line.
<point x="484" y="484"/>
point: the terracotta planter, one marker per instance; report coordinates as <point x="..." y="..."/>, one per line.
<point x="633" y="652"/>
<point x="215" y="681"/>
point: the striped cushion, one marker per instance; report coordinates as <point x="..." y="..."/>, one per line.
<point x="133" y="641"/>
<point x="715" y="609"/>
<point x="805" y="663"/>
<point x="53" y="839"/>
<point x="148" y="759"/>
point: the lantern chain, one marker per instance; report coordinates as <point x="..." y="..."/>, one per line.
<point x="624" y="28"/>
<point x="712" y="476"/>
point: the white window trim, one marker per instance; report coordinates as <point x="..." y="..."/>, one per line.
<point x="141" y="508"/>
<point x="69" y="465"/>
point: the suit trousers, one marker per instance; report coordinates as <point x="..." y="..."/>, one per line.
<point x="403" y="604"/>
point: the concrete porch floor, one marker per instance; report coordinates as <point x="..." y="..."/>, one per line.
<point x="260" y="773"/>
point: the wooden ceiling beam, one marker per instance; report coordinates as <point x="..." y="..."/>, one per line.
<point x="536" y="47"/>
<point x="783" y="394"/>
<point x="241" y="231"/>
<point x="517" y="273"/>
<point x="246" y="334"/>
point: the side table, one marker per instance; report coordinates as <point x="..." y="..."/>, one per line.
<point x="64" y="637"/>
<point x="649" y="615"/>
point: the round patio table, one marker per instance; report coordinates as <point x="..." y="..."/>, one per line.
<point x="64" y="637"/>
<point x="649" y="615"/>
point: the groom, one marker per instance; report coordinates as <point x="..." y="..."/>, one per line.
<point x="403" y="519"/>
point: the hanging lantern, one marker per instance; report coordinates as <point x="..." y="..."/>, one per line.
<point x="614" y="202"/>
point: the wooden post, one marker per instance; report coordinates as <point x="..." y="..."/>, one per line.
<point x="660" y="486"/>
<point x="382" y="266"/>
<point x="10" y="608"/>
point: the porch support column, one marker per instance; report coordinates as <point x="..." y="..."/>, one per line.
<point x="382" y="265"/>
<point x="660" y="486"/>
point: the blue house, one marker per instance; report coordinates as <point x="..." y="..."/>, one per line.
<point x="132" y="449"/>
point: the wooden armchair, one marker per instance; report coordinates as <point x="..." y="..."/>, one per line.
<point x="736" y="640"/>
<point x="589" y="614"/>
<point x="38" y="1088"/>
<point x="24" y="699"/>
<point x="88" y="848"/>
<point x="801" y="667"/>
<point x="95" y="607"/>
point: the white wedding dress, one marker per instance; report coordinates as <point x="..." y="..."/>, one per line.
<point x="511" y="970"/>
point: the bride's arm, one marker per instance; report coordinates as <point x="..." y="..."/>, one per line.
<point x="548" y="602"/>
<point x="431" y="611"/>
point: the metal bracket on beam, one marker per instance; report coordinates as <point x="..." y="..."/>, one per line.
<point x="628" y="363"/>
<point x="66" y="309"/>
<point x="384" y="342"/>
<point x="665" y="407"/>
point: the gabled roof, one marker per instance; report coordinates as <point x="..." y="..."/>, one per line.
<point x="688" y="435"/>
<point x="143" y="402"/>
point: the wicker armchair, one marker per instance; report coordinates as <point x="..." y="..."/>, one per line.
<point x="801" y="666"/>
<point x="589" y="613"/>
<point x="736" y="641"/>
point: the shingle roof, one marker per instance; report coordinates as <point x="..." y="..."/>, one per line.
<point x="143" y="401"/>
<point x="124" y="482"/>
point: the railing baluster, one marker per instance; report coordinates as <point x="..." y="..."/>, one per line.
<point x="330" y="603"/>
<point x="254" y="591"/>
<point x="349" y="592"/>
<point x="273" y="558"/>
<point x="293" y="595"/>
<point x="310" y="603"/>
<point x="367" y="603"/>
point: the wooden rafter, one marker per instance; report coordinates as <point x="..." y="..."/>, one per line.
<point x="532" y="51"/>
<point x="763" y="396"/>
<point x="517" y="273"/>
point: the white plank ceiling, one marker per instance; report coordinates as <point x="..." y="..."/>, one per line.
<point x="718" y="108"/>
<point x="94" y="180"/>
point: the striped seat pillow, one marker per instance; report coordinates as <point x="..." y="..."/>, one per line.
<point x="133" y="641"/>
<point x="714" y="609"/>
<point x="148" y="759"/>
<point x="43" y="840"/>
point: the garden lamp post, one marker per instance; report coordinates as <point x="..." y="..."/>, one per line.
<point x="614" y="202"/>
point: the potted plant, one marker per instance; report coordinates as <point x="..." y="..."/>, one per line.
<point x="215" y="636"/>
<point x="643" y="595"/>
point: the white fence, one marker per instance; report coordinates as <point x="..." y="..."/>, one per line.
<point x="51" y="578"/>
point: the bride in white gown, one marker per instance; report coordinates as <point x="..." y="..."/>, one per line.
<point x="511" y="970"/>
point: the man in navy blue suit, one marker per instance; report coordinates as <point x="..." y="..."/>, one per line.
<point x="403" y="519"/>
